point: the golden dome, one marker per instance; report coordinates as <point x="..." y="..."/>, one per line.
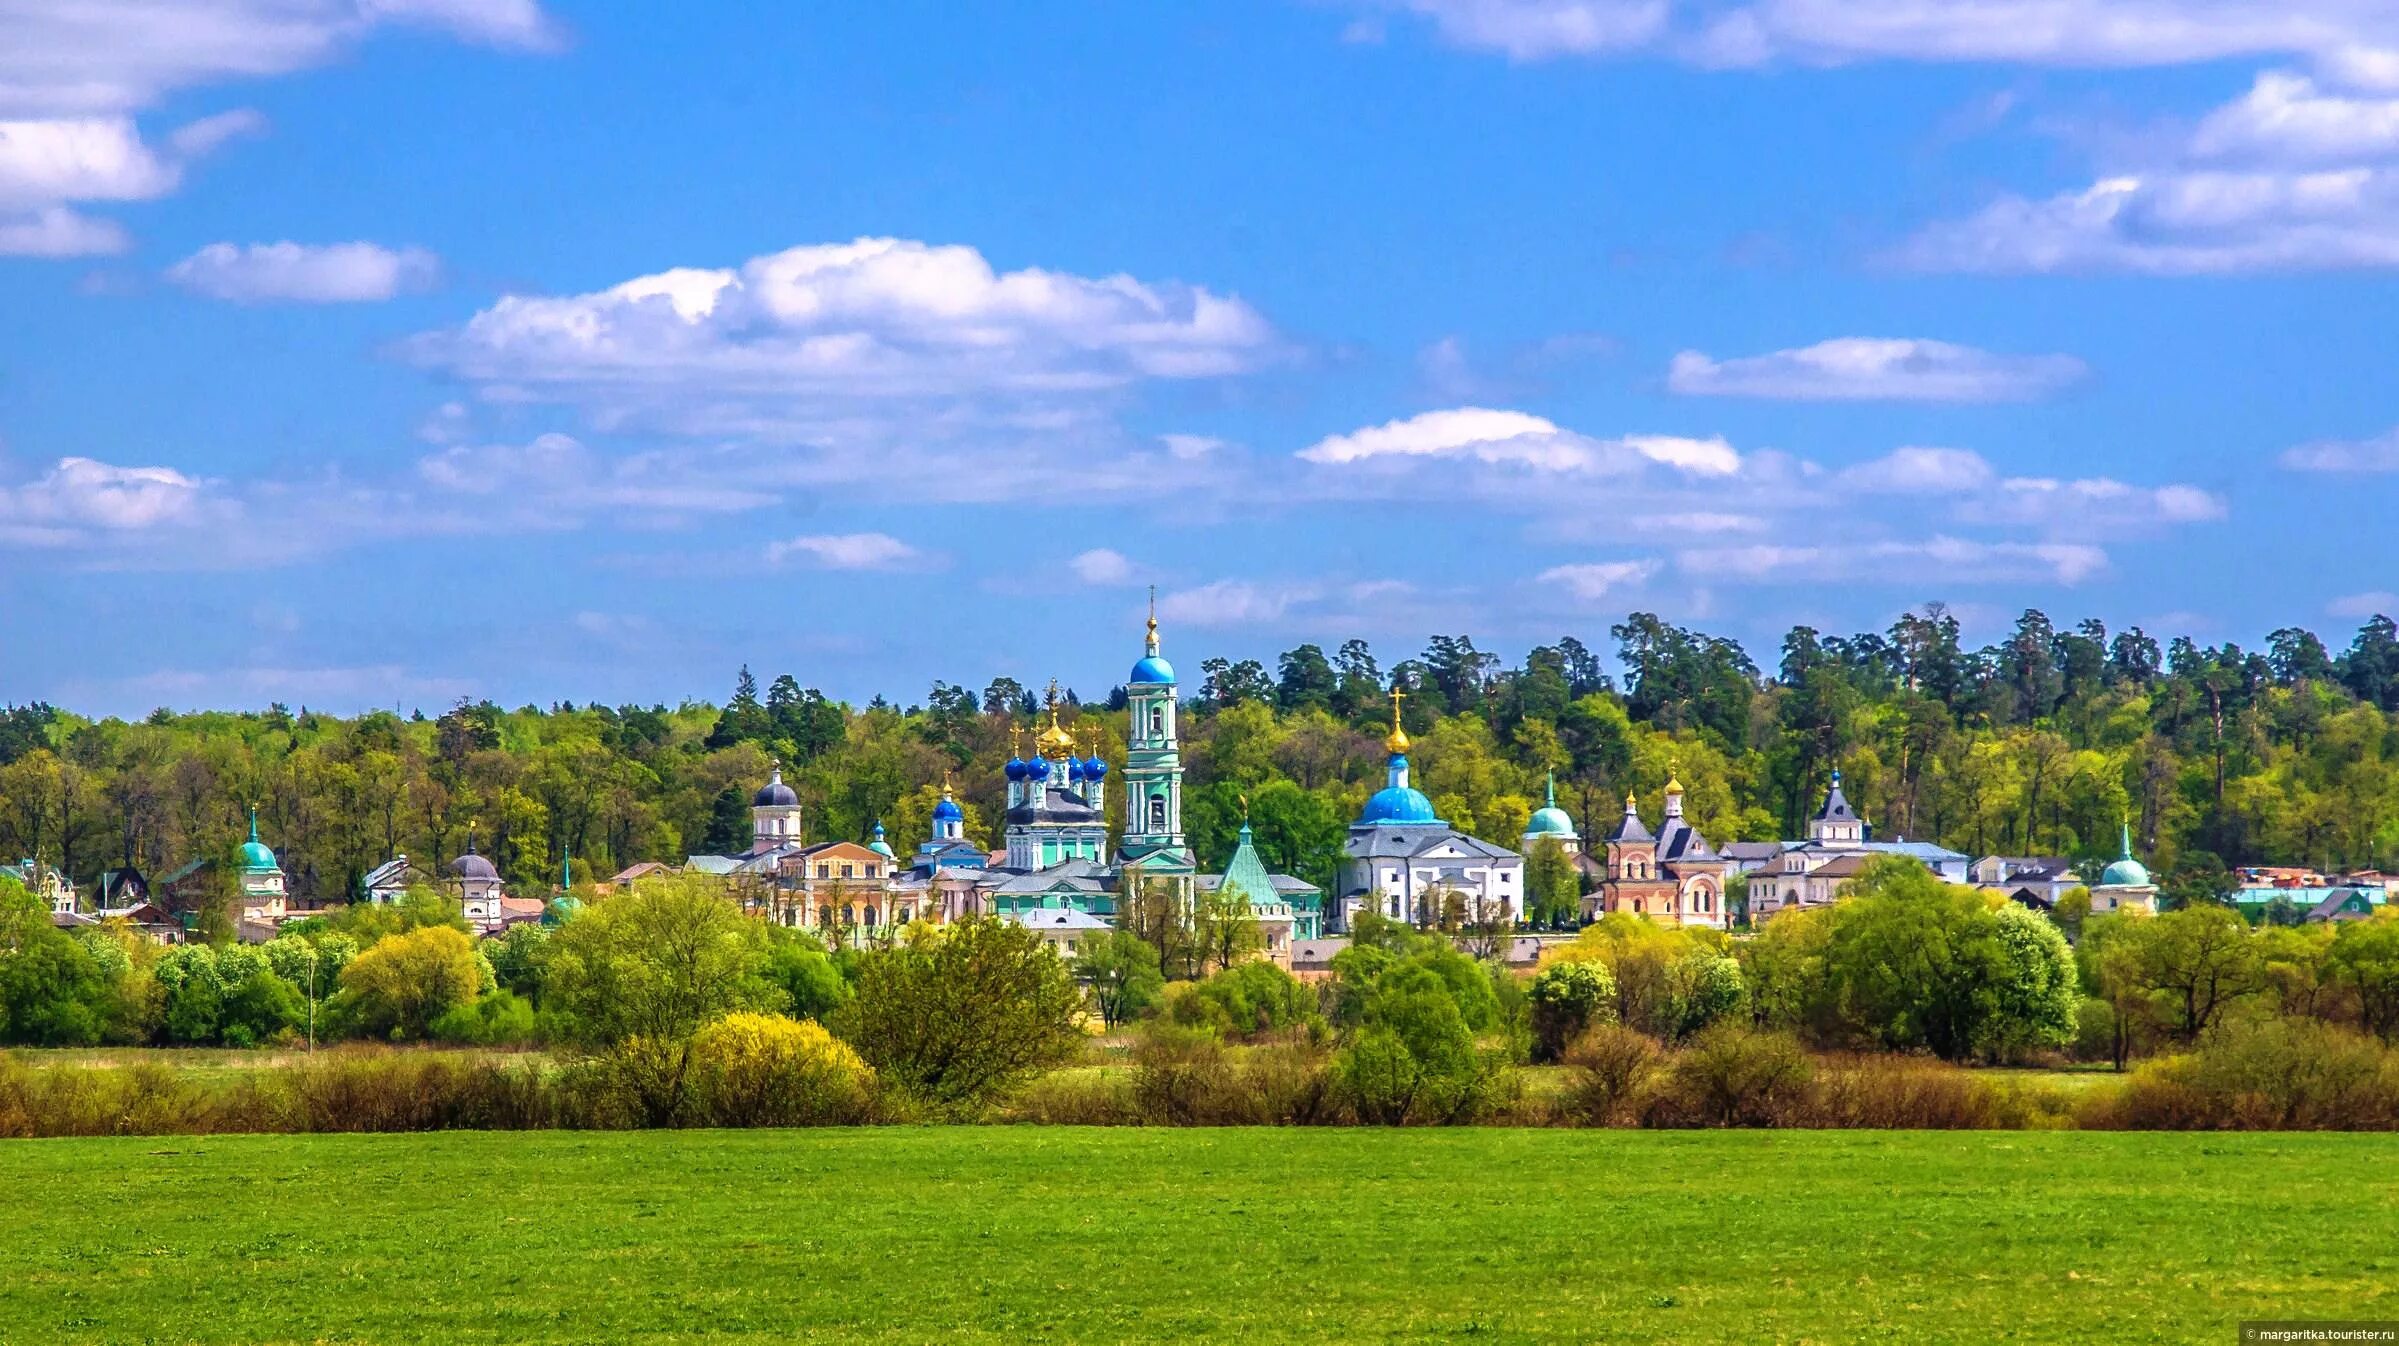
<point x="1398" y="741"/>
<point x="1674" y="778"/>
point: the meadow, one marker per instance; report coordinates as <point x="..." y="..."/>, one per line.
<point x="1022" y="1233"/>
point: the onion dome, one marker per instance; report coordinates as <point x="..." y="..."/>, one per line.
<point x="1094" y="768"/>
<point x="2127" y="872"/>
<point x="1074" y="767"/>
<point x="1054" y="742"/>
<point x="1037" y="769"/>
<point x="1016" y="768"/>
<point x="473" y="866"/>
<point x="1153" y="667"/>
<point x="254" y="853"/>
<point x="880" y="846"/>
<point x="774" y="794"/>
<point x="1550" y="820"/>
<point x="947" y="811"/>
<point x="1398" y="740"/>
<point x="1398" y="804"/>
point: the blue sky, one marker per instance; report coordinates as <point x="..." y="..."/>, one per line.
<point x="378" y="352"/>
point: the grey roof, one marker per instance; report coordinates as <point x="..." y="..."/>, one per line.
<point x="2334" y="903"/>
<point x="1057" y="806"/>
<point x="1406" y="841"/>
<point x="1056" y="918"/>
<point x="1316" y="952"/>
<point x="1632" y="828"/>
<point x="718" y="865"/>
<point x="1679" y="840"/>
<point x="1082" y="876"/>
<point x="1836" y="805"/>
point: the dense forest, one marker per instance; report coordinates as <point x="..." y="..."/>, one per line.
<point x="2039" y="744"/>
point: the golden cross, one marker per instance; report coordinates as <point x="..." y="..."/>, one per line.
<point x="1396" y="697"/>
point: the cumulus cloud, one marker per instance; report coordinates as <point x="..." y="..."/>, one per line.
<point x="848" y="551"/>
<point x="1517" y="438"/>
<point x="1102" y="566"/>
<point x="2287" y="118"/>
<point x="1854" y="369"/>
<point x="73" y="73"/>
<point x="332" y="273"/>
<point x="1593" y="581"/>
<point x="1921" y="471"/>
<point x="1232" y="603"/>
<point x="556" y="481"/>
<point x="2377" y="454"/>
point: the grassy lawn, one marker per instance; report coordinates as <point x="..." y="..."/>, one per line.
<point x="1008" y="1234"/>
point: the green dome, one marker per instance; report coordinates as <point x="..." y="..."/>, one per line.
<point x="254" y="852"/>
<point x="2125" y="873"/>
<point x="1549" y="820"/>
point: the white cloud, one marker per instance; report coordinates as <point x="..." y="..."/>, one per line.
<point x="80" y="56"/>
<point x="1594" y="581"/>
<point x="870" y="351"/>
<point x="556" y="481"/>
<point x="79" y="497"/>
<point x="1921" y="471"/>
<point x="2377" y="454"/>
<point x="2071" y="33"/>
<point x="2078" y="505"/>
<point x="2378" y="603"/>
<point x="2286" y="118"/>
<point x="74" y="72"/>
<point x="1940" y="559"/>
<point x="1190" y="448"/>
<point x="1101" y="566"/>
<point x="2180" y="223"/>
<point x="46" y="166"/>
<point x="848" y="551"/>
<point x="331" y="273"/>
<point x="1877" y="369"/>
<point x="1232" y="603"/>
<point x="1482" y="435"/>
<point x="55" y="231"/>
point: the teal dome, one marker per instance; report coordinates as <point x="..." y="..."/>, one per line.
<point x="880" y="846"/>
<point x="1153" y="668"/>
<point x="254" y="853"/>
<point x="2125" y="873"/>
<point x="1549" y="820"/>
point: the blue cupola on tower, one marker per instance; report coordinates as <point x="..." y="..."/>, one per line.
<point x="1016" y="767"/>
<point x="1094" y="768"/>
<point x="1153" y="667"/>
<point x="1398" y="801"/>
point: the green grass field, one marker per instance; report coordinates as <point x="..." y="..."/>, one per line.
<point x="1010" y="1234"/>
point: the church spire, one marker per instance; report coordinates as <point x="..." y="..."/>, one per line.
<point x="1398" y="741"/>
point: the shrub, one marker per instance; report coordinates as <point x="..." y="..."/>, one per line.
<point x="2275" y="1075"/>
<point x="1885" y="1092"/>
<point x="767" y="1070"/>
<point x="1566" y="999"/>
<point x="401" y="984"/>
<point x="1415" y="1060"/>
<point x="501" y="1019"/>
<point x="1732" y="1075"/>
<point x="1248" y="1001"/>
<point x="1608" y="1070"/>
<point x="961" y="1016"/>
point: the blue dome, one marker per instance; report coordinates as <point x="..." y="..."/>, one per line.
<point x="1094" y="769"/>
<point x="1074" y="768"/>
<point x="1016" y="768"/>
<point x="1037" y="769"/>
<point x="1398" y="804"/>
<point x="947" y="811"/>
<point x="774" y="794"/>
<point x="1153" y="668"/>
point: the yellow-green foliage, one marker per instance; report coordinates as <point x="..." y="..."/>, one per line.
<point x="766" y="1070"/>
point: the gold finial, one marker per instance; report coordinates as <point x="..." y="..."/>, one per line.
<point x="1674" y="777"/>
<point x="1244" y="798"/>
<point x="1153" y="636"/>
<point x="946" y="776"/>
<point x="1630" y="804"/>
<point x="1398" y="742"/>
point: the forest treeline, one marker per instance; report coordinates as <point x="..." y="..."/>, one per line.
<point x="2041" y="743"/>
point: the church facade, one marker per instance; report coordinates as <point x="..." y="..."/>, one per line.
<point x="1404" y="862"/>
<point x="1670" y="876"/>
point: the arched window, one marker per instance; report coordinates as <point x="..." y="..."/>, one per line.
<point x="1157" y="813"/>
<point x="870" y="915"/>
<point x="1157" y="722"/>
